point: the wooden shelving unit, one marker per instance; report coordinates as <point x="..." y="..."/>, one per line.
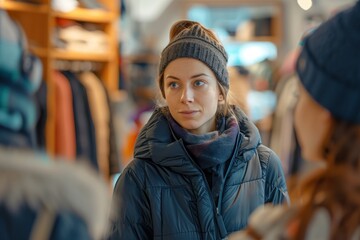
<point x="88" y="15"/>
<point x="86" y="56"/>
<point x="23" y="7"/>
<point x="38" y="21"/>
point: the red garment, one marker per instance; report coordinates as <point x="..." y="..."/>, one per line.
<point x="65" y="138"/>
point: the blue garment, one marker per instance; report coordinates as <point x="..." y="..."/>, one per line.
<point x="20" y="76"/>
<point x="18" y="67"/>
<point x="164" y="194"/>
<point x="14" y="101"/>
<point x="21" y="139"/>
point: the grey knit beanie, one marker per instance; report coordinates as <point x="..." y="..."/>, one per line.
<point x="329" y="64"/>
<point x="194" y="42"/>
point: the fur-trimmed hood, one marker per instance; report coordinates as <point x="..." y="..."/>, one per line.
<point x="34" y="179"/>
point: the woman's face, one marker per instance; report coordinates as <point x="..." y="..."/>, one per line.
<point x="192" y="94"/>
<point x="313" y="125"/>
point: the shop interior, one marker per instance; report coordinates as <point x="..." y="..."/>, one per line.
<point x="78" y="81"/>
<point x="98" y="64"/>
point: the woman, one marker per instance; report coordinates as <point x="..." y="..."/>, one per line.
<point x="327" y="123"/>
<point x="199" y="167"/>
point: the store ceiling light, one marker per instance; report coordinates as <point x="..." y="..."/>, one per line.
<point x="305" y="4"/>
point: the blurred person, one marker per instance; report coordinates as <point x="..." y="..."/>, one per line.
<point x="327" y="123"/>
<point x="43" y="198"/>
<point x="283" y="140"/>
<point x="199" y="167"/>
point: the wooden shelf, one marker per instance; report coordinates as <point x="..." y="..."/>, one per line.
<point x="23" y="7"/>
<point x="85" y="56"/>
<point x="87" y="15"/>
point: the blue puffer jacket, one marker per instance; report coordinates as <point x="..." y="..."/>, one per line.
<point x="163" y="194"/>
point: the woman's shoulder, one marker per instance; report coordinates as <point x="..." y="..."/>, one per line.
<point x="267" y="154"/>
<point x="139" y="168"/>
<point x="269" y="160"/>
<point x="264" y="160"/>
<point x="136" y="166"/>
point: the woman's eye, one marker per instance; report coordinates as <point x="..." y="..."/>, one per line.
<point x="173" y="85"/>
<point x="198" y="83"/>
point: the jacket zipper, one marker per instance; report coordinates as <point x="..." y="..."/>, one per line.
<point x="219" y="220"/>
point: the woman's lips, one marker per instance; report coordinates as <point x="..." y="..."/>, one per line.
<point x="188" y="112"/>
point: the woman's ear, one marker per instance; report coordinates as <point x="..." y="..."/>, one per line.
<point x="221" y="98"/>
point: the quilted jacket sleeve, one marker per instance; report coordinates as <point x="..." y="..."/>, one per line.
<point x="275" y="182"/>
<point x="131" y="208"/>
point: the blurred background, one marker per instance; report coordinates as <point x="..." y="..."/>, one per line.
<point x="93" y="68"/>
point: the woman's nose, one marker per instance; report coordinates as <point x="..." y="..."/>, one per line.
<point x="187" y="95"/>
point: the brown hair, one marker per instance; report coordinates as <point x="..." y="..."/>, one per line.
<point x="182" y="25"/>
<point x="335" y="187"/>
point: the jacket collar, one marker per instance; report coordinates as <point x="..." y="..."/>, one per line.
<point x="157" y="142"/>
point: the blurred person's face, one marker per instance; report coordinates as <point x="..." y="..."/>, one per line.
<point x="192" y="94"/>
<point x="313" y="125"/>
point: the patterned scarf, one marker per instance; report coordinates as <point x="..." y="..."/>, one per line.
<point x="212" y="150"/>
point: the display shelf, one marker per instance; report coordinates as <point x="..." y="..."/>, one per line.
<point x="23" y="7"/>
<point x="87" y="15"/>
<point x="86" y="56"/>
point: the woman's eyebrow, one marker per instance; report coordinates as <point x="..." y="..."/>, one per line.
<point x="199" y="75"/>
<point x="173" y="77"/>
<point x="194" y="76"/>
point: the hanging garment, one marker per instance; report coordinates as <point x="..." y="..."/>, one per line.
<point x="100" y="114"/>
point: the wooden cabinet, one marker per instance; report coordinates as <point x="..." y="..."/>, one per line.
<point x="39" y="23"/>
